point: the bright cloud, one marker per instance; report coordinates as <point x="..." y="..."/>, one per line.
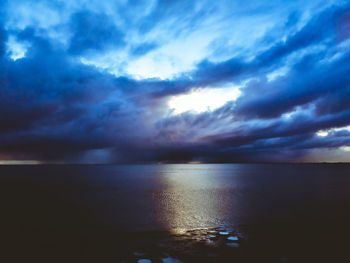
<point x="16" y="49"/>
<point x="324" y="133"/>
<point x="204" y="99"/>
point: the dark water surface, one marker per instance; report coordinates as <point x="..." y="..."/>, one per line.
<point x="281" y="213"/>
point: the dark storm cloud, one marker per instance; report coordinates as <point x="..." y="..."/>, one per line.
<point x="56" y="108"/>
<point x="93" y="32"/>
<point x="324" y="83"/>
<point x="51" y="105"/>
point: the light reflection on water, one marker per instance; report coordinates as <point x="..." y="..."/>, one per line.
<point x="193" y="196"/>
<point x="281" y="211"/>
<point x="188" y="196"/>
<point x="279" y="208"/>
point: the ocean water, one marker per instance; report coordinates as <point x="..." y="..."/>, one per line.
<point x="285" y="212"/>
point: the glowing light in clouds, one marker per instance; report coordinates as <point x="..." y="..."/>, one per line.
<point x="323" y="133"/>
<point x="15" y="49"/>
<point x="201" y="100"/>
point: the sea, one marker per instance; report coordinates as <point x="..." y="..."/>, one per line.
<point x="175" y="213"/>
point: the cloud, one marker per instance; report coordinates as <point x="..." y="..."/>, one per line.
<point x="143" y="49"/>
<point x="56" y="108"/>
<point x="93" y="32"/>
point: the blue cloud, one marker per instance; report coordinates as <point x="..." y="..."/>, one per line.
<point x="76" y="94"/>
<point x="143" y="49"/>
<point x="93" y="32"/>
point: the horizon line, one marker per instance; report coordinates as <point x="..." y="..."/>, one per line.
<point x="39" y="163"/>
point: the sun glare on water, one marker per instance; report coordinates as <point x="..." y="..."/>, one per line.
<point x="204" y="99"/>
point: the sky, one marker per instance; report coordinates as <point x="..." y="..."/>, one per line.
<point x="171" y="81"/>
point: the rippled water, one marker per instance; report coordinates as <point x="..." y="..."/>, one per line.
<point x="275" y="204"/>
<point x="163" y="197"/>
